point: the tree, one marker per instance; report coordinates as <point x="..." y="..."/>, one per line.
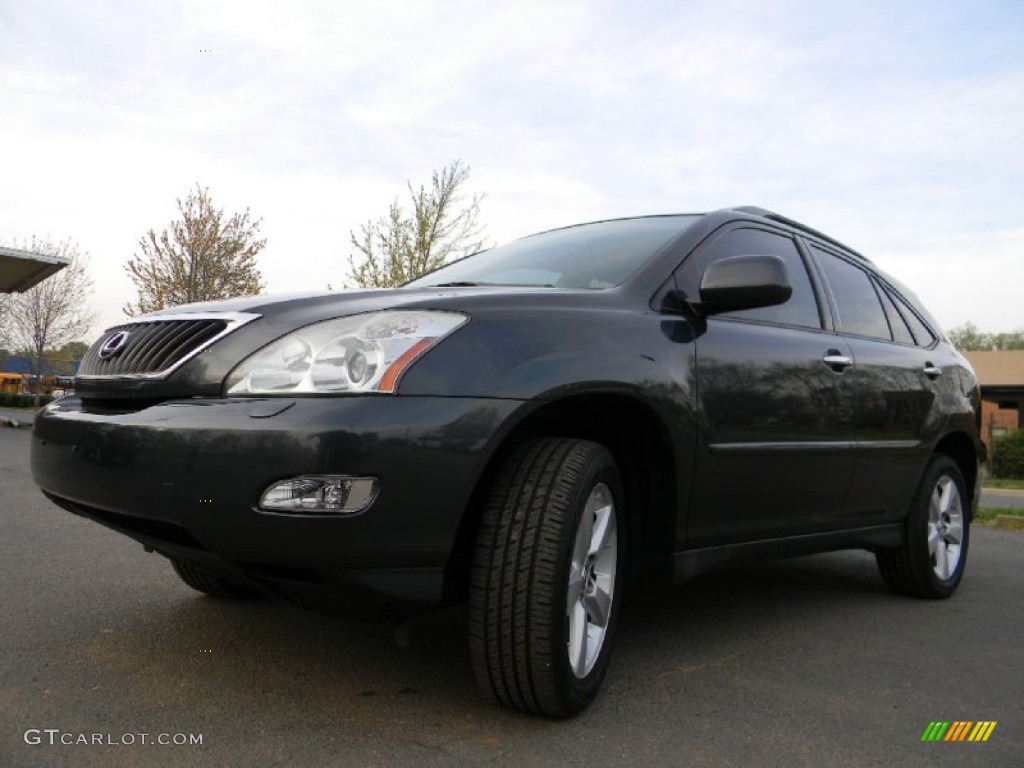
<point x="5" y="302"/>
<point x="55" y="311"/>
<point x="205" y="256"/>
<point x="969" y="337"/>
<point x="400" y="246"/>
<point x="73" y="350"/>
<point x="1012" y="340"/>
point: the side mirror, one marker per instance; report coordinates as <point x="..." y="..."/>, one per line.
<point x="744" y="282"/>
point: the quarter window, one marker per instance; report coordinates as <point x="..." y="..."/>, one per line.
<point x="860" y="311"/>
<point x="900" y="330"/>
<point x="923" y="336"/>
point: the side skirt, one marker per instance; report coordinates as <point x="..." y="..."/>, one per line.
<point x="692" y="562"/>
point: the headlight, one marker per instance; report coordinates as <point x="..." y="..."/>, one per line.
<point x="361" y="353"/>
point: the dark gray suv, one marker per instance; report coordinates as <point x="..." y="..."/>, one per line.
<point x="525" y="429"/>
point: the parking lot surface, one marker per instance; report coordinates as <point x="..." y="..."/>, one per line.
<point x="804" y="662"/>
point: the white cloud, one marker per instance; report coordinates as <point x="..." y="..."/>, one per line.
<point x="895" y="127"/>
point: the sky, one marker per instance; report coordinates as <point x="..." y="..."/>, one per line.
<point x="895" y="127"/>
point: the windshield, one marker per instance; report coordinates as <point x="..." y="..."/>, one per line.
<point x="594" y="256"/>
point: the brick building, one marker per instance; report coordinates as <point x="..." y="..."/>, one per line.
<point x="1001" y="375"/>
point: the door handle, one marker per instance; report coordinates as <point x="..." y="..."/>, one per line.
<point x="837" y="361"/>
<point x="932" y="371"/>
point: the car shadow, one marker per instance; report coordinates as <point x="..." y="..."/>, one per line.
<point x="287" y="668"/>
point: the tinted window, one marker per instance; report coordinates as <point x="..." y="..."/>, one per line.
<point x="599" y="255"/>
<point x="802" y="307"/>
<point x="922" y="334"/>
<point x="900" y="330"/>
<point x="860" y="311"/>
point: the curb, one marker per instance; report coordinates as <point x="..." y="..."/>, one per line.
<point x="1002" y="491"/>
<point x="1010" y="522"/>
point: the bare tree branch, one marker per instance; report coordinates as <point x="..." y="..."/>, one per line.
<point x="55" y="311"/>
<point x="205" y="256"/>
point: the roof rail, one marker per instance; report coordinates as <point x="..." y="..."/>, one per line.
<point x="764" y="213"/>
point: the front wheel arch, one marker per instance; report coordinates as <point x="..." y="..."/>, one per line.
<point x="648" y="462"/>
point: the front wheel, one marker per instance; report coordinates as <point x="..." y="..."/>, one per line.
<point x="545" y="586"/>
<point x="930" y="561"/>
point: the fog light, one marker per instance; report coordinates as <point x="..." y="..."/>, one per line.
<point x="326" y="494"/>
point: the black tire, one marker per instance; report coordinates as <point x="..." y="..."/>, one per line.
<point x="211" y="584"/>
<point x="522" y="633"/>
<point x="929" y="563"/>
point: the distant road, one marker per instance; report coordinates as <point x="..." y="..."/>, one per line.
<point x="997" y="498"/>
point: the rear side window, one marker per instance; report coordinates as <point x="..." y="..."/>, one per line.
<point x="802" y="307"/>
<point x="860" y="310"/>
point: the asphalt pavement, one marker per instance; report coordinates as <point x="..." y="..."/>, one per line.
<point x="803" y="662"/>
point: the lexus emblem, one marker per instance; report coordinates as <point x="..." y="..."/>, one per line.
<point x="114" y="345"/>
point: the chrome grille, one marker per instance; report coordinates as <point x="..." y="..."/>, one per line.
<point x="155" y="346"/>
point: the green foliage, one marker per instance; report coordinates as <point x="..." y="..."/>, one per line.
<point x="73" y="350"/>
<point x="12" y="400"/>
<point x="1008" y="455"/>
<point x="991" y="513"/>
<point x="1008" y="519"/>
<point x="969" y="337"/>
<point x="402" y="246"/>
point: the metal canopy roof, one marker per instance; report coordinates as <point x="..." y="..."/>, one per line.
<point x="20" y="270"/>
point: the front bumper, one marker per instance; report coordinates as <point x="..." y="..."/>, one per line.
<point x="185" y="477"/>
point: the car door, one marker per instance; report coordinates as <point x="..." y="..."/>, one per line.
<point x="896" y="381"/>
<point x="775" y="452"/>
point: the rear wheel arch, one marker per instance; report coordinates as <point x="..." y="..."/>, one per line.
<point x="929" y="561"/>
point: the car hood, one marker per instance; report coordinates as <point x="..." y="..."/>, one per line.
<point x="263" y="319"/>
<point x="325" y="305"/>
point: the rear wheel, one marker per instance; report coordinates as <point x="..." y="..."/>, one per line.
<point x="212" y="584"/>
<point x="545" y="589"/>
<point x="930" y="562"/>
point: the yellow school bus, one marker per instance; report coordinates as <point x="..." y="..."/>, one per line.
<point x="10" y="382"/>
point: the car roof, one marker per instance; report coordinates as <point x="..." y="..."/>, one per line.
<point x="778" y="218"/>
<point x="747" y="211"/>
